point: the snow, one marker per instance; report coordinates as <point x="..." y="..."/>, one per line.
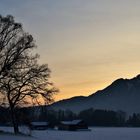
<point x="94" y="134"/>
<point x="39" y="123"/>
<point x="74" y="122"/>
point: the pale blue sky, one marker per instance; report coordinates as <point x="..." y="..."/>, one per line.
<point x="87" y="43"/>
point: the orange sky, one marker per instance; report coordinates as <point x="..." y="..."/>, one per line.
<point x="87" y="43"/>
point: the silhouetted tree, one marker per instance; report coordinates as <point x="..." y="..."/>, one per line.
<point x="121" y="117"/>
<point x="22" y="79"/>
<point x="134" y="120"/>
<point x="87" y="116"/>
<point x="69" y="115"/>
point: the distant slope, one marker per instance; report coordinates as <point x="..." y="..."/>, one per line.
<point x="122" y="94"/>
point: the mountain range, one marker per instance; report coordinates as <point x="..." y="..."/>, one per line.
<point x="122" y="94"/>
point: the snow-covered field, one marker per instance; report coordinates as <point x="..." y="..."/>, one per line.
<point x="94" y="134"/>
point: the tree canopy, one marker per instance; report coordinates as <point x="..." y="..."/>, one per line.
<point x="22" y="78"/>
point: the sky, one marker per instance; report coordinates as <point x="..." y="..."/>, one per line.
<point x="86" y="43"/>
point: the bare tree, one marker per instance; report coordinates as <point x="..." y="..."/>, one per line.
<point x="22" y="79"/>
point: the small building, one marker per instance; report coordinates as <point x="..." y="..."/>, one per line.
<point x="40" y="125"/>
<point x="72" y="125"/>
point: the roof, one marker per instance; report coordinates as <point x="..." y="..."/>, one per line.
<point x="39" y="123"/>
<point x="74" y="122"/>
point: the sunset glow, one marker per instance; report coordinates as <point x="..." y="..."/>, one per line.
<point x="86" y="43"/>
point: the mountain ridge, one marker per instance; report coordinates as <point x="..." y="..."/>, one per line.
<point x="122" y="94"/>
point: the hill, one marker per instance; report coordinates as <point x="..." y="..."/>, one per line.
<point x="122" y="94"/>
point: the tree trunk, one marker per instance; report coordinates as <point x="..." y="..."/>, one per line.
<point x="14" y="121"/>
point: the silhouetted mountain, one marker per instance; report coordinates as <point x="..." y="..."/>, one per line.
<point x="122" y="94"/>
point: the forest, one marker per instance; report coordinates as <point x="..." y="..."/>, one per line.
<point x="93" y="117"/>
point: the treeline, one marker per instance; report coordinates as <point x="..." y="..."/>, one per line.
<point x="91" y="116"/>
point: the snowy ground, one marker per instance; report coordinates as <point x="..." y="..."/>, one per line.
<point x="94" y="134"/>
